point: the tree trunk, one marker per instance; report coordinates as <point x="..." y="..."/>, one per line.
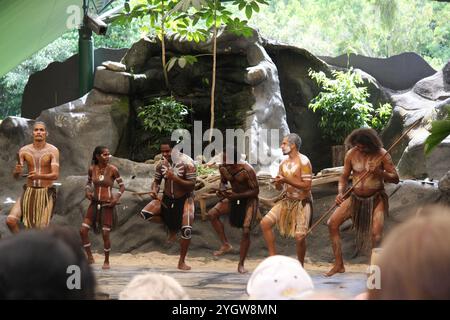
<point x="163" y="47"/>
<point x="338" y="155"/>
<point x="213" y="82"/>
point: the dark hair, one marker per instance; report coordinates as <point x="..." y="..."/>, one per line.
<point x="37" y="265"/>
<point x="168" y="141"/>
<point x="368" y="137"/>
<point x="97" y="151"/>
<point x="73" y="240"/>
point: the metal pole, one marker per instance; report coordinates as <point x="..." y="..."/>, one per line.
<point x="85" y="56"/>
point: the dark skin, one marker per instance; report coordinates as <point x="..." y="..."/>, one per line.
<point x="357" y="161"/>
<point x="244" y="186"/>
<point x="180" y="188"/>
<point x="103" y="160"/>
<point x="294" y="182"/>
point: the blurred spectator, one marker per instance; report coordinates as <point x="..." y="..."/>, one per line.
<point x="415" y="262"/>
<point x="40" y="265"/>
<point x="153" y="286"/>
<point x="279" y="278"/>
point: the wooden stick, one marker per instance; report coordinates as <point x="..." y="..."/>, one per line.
<point x="347" y="193"/>
<point x="140" y="193"/>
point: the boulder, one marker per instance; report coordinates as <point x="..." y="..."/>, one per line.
<point x="113" y="82"/>
<point x="114" y="66"/>
<point x="444" y="184"/>
<point x="248" y="94"/>
<point x="427" y="101"/>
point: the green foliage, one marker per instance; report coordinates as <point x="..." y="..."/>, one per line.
<point x="343" y="105"/>
<point x="249" y="6"/>
<point x="375" y="28"/>
<point x="183" y="61"/>
<point x="190" y="31"/>
<point x="381" y="117"/>
<point x="190" y="19"/>
<point x="239" y="27"/>
<point x="163" y="116"/>
<point x="13" y="83"/>
<point x="204" y="170"/>
<point x="440" y="129"/>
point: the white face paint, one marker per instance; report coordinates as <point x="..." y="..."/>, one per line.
<point x="286" y="150"/>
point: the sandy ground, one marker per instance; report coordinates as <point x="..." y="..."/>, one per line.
<point x="225" y="263"/>
<point x="214" y="278"/>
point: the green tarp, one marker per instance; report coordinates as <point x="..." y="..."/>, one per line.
<point x="27" y="26"/>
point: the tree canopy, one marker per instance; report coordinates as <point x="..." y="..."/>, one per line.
<point x="375" y="28"/>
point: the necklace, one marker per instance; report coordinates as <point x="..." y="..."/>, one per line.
<point x="101" y="177"/>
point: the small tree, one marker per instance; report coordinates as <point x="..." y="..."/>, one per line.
<point x="215" y="14"/>
<point x="160" y="118"/>
<point x="160" y="15"/>
<point x="184" y="17"/>
<point x="343" y="105"/>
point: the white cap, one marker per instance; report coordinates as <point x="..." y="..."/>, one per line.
<point x="279" y="278"/>
<point x="153" y="286"/>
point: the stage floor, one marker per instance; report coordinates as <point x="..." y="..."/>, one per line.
<point x="221" y="285"/>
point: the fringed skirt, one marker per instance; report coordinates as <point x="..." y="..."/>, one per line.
<point x="362" y="210"/>
<point x="37" y="205"/>
<point x="292" y="216"/>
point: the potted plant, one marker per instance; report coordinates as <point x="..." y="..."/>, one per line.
<point x="343" y="107"/>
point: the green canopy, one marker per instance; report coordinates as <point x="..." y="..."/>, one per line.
<point x="27" y="26"/>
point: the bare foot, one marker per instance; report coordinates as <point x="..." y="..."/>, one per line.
<point x="183" y="266"/>
<point x="241" y="269"/>
<point x="105" y="266"/>
<point x="334" y="270"/>
<point x="223" y="249"/>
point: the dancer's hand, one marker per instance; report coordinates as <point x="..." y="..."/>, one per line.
<point x="374" y="168"/>
<point x="34" y="176"/>
<point x="278" y="182"/>
<point x="170" y="175"/>
<point x="17" y="170"/>
<point x="339" y="199"/>
<point x="220" y="194"/>
<point x="230" y="195"/>
<point x="113" y="202"/>
<point x="153" y="195"/>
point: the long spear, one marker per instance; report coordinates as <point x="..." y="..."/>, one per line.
<point x="347" y="193"/>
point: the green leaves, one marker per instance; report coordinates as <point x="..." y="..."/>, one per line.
<point x="343" y="105"/>
<point x="191" y="19"/>
<point x="127" y="7"/>
<point x="239" y="27"/>
<point x="249" y="6"/>
<point x="185" y="5"/>
<point x="440" y="129"/>
<point x="187" y="30"/>
<point x="182" y="61"/>
<point x="381" y="117"/>
<point x="163" y="116"/>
